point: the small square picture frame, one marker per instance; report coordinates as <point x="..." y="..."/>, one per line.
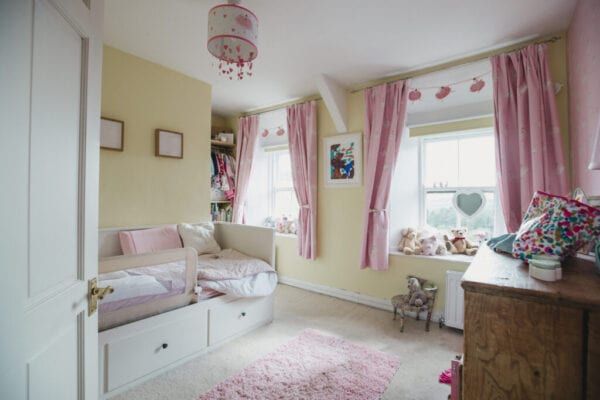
<point x="168" y="144"/>
<point x="112" y="134"/>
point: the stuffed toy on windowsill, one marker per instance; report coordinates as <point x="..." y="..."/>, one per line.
<point x="408" y="243"/>
<point x="429" y="246"/>
<point x="460" y="244"/>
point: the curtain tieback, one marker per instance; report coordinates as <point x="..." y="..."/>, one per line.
<point x="304" y="206"/>
<point x="374" y="210"/>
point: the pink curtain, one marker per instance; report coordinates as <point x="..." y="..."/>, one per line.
<point x="529" y="152"/>
<point x="302" y="131"/>
<point x="247" y="137"/>
<point x="385" y="116"/>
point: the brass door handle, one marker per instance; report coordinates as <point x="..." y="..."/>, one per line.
<point x="96" y="293"/>
<point x="100" y="292"/>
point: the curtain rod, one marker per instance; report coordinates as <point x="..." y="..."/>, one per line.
<point x="454" y="63"/>
<point x="282" y="105"/>
<point x="424" y="71"/>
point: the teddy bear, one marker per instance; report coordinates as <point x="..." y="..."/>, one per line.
<point x="287" y="225"/>
<point x="460" y="244"/>
<point x="417" y="296"/>
<point x="429" y="246"/>
<point x="408" y="243"/>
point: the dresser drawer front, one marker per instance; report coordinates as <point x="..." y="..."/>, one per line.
<point x="227" y="320"/>
<point x="137" y="355"/>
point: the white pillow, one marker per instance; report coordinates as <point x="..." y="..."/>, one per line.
<point x="201" y="237"/>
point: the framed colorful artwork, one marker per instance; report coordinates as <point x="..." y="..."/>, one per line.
<point x="342" y="160"/>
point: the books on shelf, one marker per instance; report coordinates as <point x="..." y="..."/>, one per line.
<point x="221" y="212"/>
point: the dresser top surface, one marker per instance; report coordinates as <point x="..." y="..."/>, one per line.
<point x="503" y="275"/>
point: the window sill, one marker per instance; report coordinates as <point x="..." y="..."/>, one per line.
<point x="461" y="258"/>
<point x="286" y="235"/>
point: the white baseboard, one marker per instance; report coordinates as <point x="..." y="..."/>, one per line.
<point x="359" y="298"/>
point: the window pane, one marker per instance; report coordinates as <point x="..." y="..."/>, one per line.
<point x="440" y="212"/>
<point x="441" y="163"/>
<point x="484" y="221"/>
<point x="477" y="165"/>
<point x="283" y="170"/>
<point x="285" y="204"/>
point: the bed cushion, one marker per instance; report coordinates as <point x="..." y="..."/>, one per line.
<point x="201" y="237"/>
<point x="150" y="240"/>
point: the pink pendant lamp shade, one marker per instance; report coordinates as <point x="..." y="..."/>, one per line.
<point x="233" y="38"/>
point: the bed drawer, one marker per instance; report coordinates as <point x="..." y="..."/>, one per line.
<point x="139" y="354"/>
<point x="233" y="318"/>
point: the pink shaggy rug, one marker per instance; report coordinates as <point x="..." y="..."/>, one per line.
<point x="312" y="366"/>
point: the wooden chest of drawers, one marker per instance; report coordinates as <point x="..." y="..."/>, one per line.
<point x="529" y="339"/>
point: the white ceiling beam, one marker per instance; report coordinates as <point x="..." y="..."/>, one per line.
<point x="335" y="98"/>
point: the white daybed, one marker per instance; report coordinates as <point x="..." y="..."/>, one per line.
<point x="175" y="328"/>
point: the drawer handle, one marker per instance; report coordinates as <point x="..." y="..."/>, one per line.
<point x="243" y="314"/>
<point x="165" y="345"/>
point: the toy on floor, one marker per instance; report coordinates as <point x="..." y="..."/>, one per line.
<point x="415" y="303"/>
<point x="446" y="376"/>
<point x="417" y="296"/>
<point x="460" y="244"/>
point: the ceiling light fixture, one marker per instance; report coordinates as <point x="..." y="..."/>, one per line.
<point x="233" y="38"/>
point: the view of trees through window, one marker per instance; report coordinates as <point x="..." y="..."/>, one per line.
<point x="459" y="164"/>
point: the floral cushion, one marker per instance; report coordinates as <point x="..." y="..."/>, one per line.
<point x="555" y="225"/>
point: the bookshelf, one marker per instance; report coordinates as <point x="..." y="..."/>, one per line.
<point x="222" y="210"/>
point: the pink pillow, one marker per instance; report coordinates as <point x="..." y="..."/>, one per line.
<point x="150" y="240"/>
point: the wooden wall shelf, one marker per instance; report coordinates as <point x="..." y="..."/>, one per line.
<point x="219" y="143"/>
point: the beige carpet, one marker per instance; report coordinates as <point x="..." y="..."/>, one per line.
<point x="423" y="355"/>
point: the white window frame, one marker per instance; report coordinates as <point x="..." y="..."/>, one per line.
<point x="446" y="136"/>
<point x="273" y="162"/>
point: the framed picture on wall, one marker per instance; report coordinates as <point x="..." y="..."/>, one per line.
<point x="342" y="160"/>
<point x="111" y="134"/>
<point x="168" y="144"/>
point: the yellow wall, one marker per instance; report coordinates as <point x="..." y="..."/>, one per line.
<point x="340" y="219"/>
<point x="219" y="124"/>
<point x="137" y="188"/>
<point x="220" y="121"/>
<point x="339" y="231"/>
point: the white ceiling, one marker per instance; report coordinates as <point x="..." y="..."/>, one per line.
<point x="352" y="41"/>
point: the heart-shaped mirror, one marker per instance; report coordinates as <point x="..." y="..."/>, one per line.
<point x="469" y="204"/>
